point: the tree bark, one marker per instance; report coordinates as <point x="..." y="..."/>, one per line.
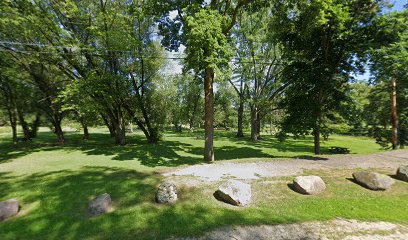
<point x="209" y="115"/>
<point x="35" y="125"/>
<point x="316" y="133"/>
<point x="13" y="124"/>
<point x="14" y="132"/>
<point x="394" y="116"/>
<point x="119" y="134"/>
<point x="254" y="124"/>
<point x="24" y="125"/>
<point x="58" y="131"/>
<point x="258" y="125"/>
<point x="240" y="132"/>
<point x="86" y="131"/>
<point x="109" y="125"/>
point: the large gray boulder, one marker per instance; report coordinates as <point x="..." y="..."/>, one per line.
<point x="8" y="209"/>
<point x="310" y="185"/>
<point x="402" y="173"/>
<point x="100" y="205"/>
<point x="373" y="180"/>
<point x="234" y="192"/>
<point x="166" y="193"/>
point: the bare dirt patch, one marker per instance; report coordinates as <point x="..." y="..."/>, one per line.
<point x="281" y="168"/>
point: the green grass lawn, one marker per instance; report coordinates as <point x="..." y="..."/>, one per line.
<point x="174" y="150"/>
<point x="54" y="184"/>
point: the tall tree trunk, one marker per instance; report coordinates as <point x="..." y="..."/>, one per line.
<point x="14" y="132"/>
<point x="109" y="125"/>
<point x="24" y="125"/>
<point x="13" y="124"/>
<point x="254" y="124"/>
<point x="258" y="125"/>
<point x="316" y="133"/>
<point x="120" y="137"/>
<point x="394" y="116"/>
<point x="58" y="130"/>
<point x="240" y="132"/>
<point x="209" y="115"/>
<point x="191" y="124"/>
<point x="35" y="125"/>
<point x="86" y="131"/>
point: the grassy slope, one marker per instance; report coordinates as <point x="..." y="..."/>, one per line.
<point x="55" y="183"/>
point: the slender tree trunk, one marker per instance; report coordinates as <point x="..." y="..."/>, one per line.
<point x="254" y="124"/>
<point x="258" y="125"/>
<point x="35" y="125"/>
<point x="86" y="131"/>
<point x="58" y="131"/>
<point x="209" y="115"/>
<point x="394" y="116"/>
<point x="109" y="125"/>
<point x="316" y="133"/>
<point x="24" y="125"/>
<point x="14" y="132"/>
<point x="240" y="132"/>
<point x="191" y="124"/>
<point x="13" y="124"/>
<point x="316" y="130"/>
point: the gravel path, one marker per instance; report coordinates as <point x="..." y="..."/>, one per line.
<point x="336" y="230"/>
<point x="276" y="168"/>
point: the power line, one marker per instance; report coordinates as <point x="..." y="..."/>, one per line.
<point x="91" y="51"/>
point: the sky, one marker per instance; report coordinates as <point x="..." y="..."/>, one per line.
<point x="399" y="4"/>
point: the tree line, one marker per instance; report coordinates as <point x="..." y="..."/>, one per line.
<point x="283" y="65"/>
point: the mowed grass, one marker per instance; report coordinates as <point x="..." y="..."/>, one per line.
<point x="44" y="154"/>
<point x="54" y="184"/>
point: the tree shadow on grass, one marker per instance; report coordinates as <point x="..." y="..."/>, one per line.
<point x="233" y="152"/>
<point x="55" y="205"/>
<point x="165" y="153"/>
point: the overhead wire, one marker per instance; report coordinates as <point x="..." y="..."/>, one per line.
<point x="74" y="51"/>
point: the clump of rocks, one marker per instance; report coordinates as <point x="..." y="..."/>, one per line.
<point x="373" y="180"/>
<point x="100" y="205"/>
<point x="309" y="185"/>
<point x="234" y="192"/>
<point x="166" y="193"/>
<point x="8" y="209"/>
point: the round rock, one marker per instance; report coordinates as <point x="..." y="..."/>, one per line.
<point x="166" y="193"/>
<point x="100" y="205"/>
<point x="310" y="185"/>
<point x="234" y="192"/>
<point x="8" y="209"/>
<point x="373" y="180"/>
<point x="402" y="173"/>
